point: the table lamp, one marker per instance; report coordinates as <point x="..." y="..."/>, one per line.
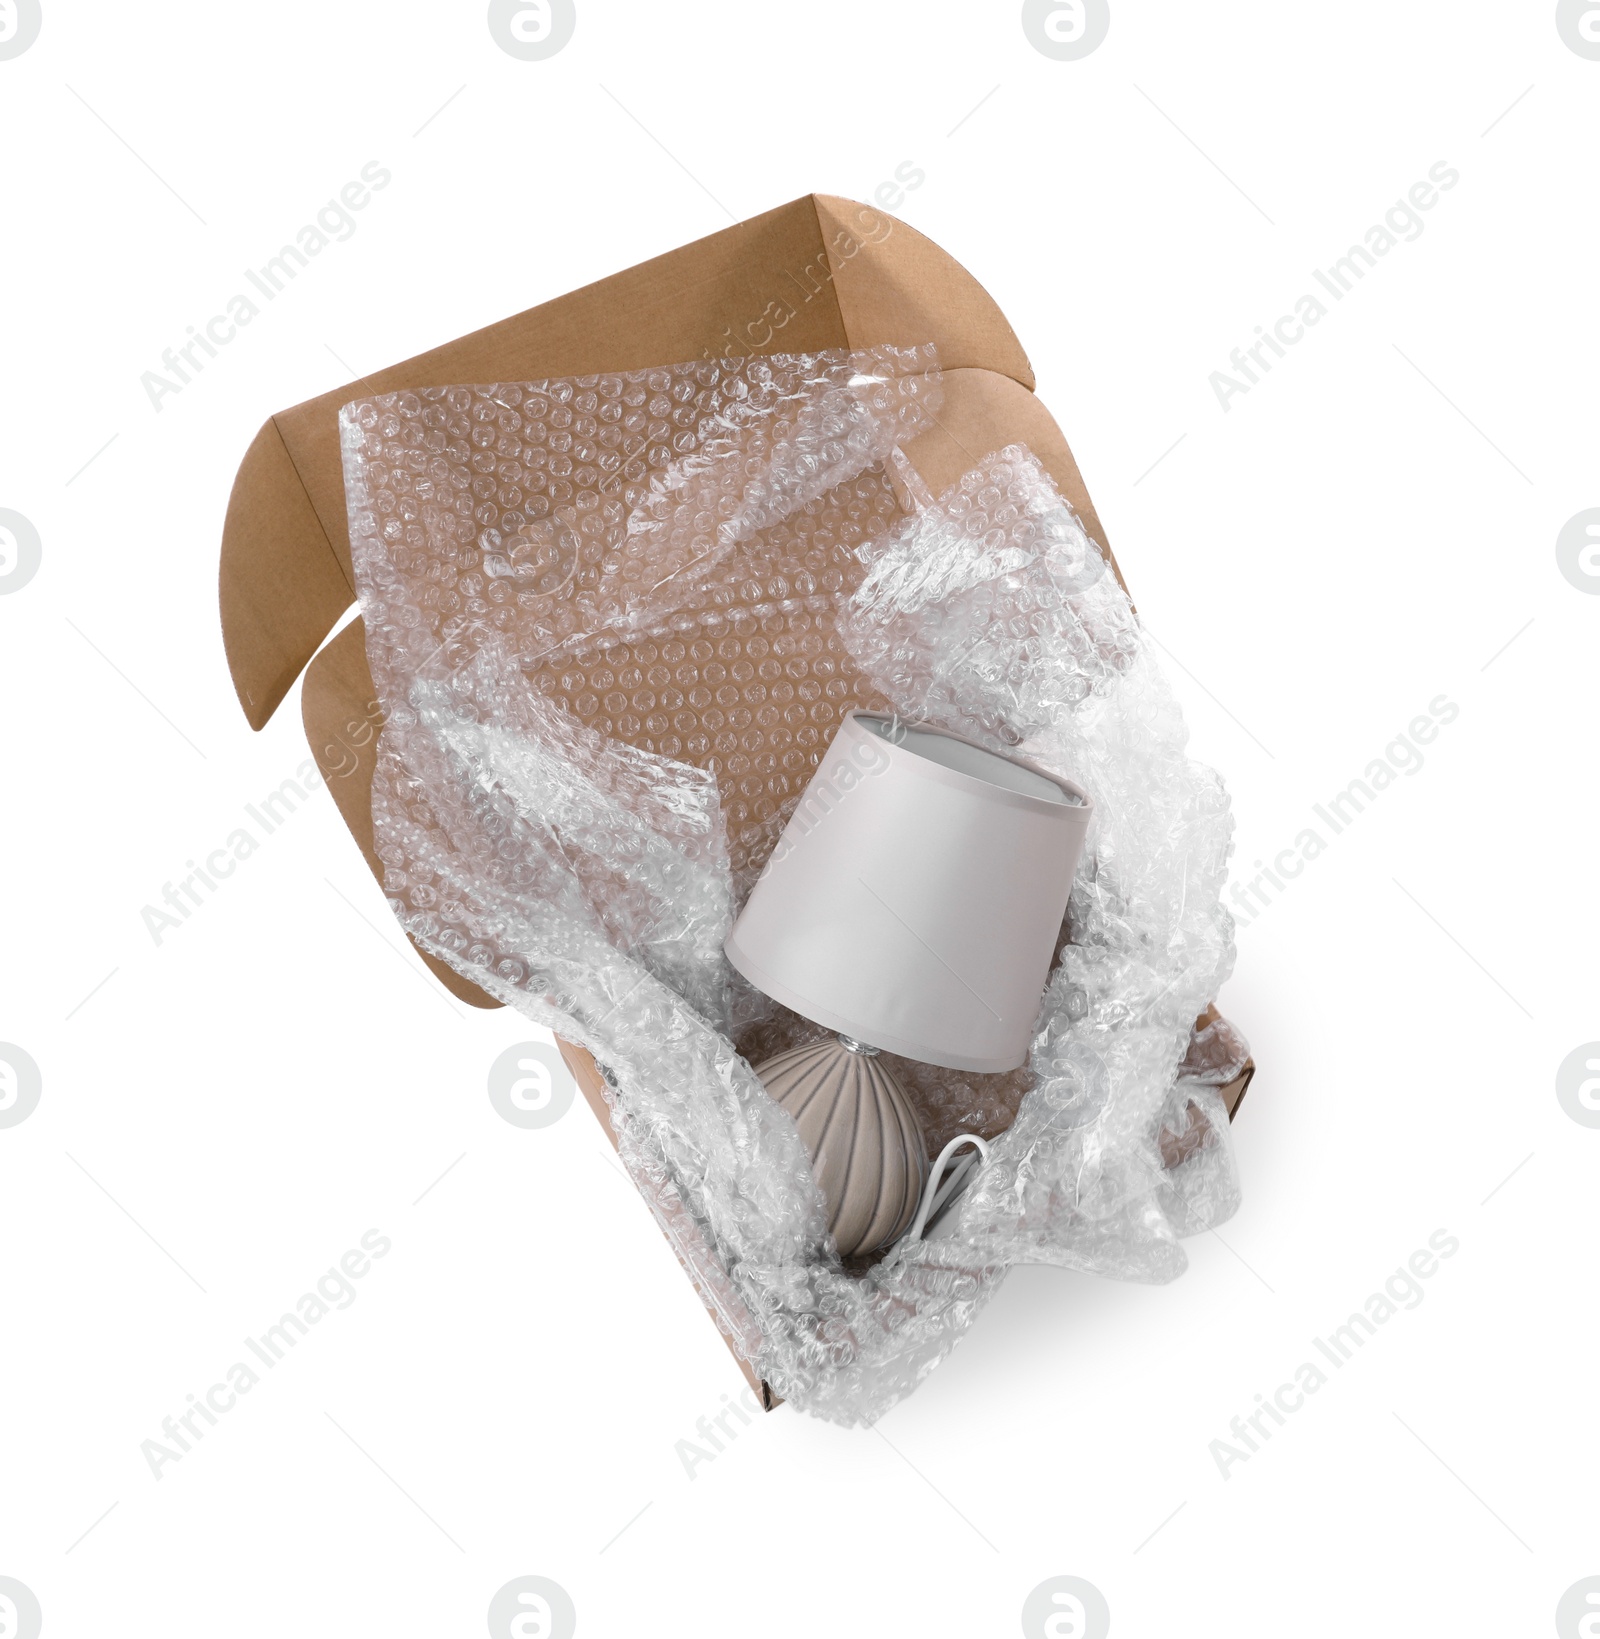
<point x="911" y="906"/>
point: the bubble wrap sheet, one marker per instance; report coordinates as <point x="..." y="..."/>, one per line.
<point x="613" y="623"/>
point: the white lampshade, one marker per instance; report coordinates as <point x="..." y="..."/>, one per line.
<point x="914" y="899"/>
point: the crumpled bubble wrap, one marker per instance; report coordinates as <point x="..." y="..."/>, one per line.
<point x="993" y="613"/>
<point x="613" y="623"/>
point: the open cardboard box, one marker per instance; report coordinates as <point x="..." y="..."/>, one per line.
<point x="818" y="273"/>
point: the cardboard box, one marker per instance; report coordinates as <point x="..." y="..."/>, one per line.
<point x="818" y="273"/>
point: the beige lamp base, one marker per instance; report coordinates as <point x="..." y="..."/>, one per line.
<point x="862" y="1134"/>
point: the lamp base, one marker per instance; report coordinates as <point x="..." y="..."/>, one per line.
<point x="862" y="1134"/>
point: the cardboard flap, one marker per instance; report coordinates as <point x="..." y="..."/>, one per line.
<point x="281" y="585"/>
<point x="896" y="286"/>
<point x="772" y="284"/>
<point x="286" y="540"/>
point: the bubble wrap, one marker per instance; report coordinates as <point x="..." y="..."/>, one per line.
<point x="613" y="623"/>
<point x="993" y="613"/>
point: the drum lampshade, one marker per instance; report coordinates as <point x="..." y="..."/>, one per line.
<point x="914" y="899"/>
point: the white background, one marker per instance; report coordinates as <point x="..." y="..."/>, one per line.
<point x="227" y="1112"/>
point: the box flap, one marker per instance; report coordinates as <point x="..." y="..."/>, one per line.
<point x="281" y="585"/>
<point x="771" y="284"/>
<point x="896" y="286"/>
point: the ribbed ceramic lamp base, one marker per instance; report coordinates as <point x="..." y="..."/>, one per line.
<point x="863" y="1137"/>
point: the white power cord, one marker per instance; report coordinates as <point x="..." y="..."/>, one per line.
<point x="939" y="1189"/>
